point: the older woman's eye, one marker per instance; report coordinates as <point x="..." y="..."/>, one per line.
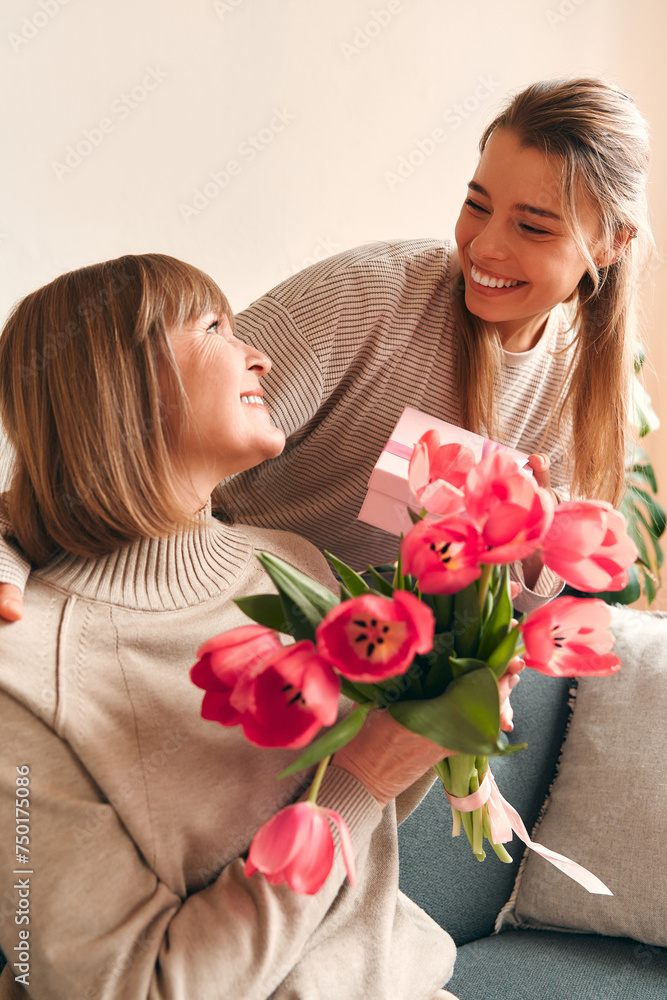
<point x="214" y="327"/>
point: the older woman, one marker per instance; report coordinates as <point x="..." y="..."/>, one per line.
<point x="129" y="883"/>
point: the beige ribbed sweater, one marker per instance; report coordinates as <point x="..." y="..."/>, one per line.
<point x="141" y="810"/>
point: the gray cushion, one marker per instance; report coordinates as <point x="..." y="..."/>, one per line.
<point x="439" y="872"/>
<point x="539" y="965"/>
<point x="608" y="806"/>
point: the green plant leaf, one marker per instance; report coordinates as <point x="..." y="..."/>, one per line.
<point x="636" y="454"/>
<point x="645" y="417"/>
<point x="643" y="472"/>
<point x="467" y="620"/>
<point x="466" y="717"/>
<point x="336" y="738"/>
<point x="354" y="584"/>
<point x="267" y="609"/>
<point x="649" y="586"/>
<point x="655" y="511"/>
<point x="415" y="518"/>
<point x="306" y="602"/>
<point x="630" y="593"/>
<point x="643" y="541"/>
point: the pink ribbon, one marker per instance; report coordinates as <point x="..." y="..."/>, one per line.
<point x="398" y="449"/>
<point x="504" y="819"/>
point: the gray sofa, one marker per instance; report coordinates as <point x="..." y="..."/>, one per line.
<point x="547" y="950"/>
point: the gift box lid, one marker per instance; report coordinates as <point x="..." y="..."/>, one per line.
<point x="390" y="475"/>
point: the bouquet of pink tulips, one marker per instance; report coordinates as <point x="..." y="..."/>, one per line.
<point x="436" y="648"/>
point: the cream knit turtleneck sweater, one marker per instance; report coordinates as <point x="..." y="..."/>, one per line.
<point x="140" y="810"/>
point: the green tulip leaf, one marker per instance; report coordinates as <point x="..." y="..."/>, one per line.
<point x="498" y="623"/>
<point x="354" y="584"/>
<point x="439" y="673"/>
<point x="333" y="740"/>
<point x="466" y="717"/>
<point x="267" y="609"/>
<point x="464" y="664"/>
<point x="306" y="601"/>
<point x="381" y="585"/>
<point x="361" y="693"/>
<point x="442" y="606"/>
<point x="501" y="655"/>
<point x="467" y="621"/>
<point x="399" y="581"/>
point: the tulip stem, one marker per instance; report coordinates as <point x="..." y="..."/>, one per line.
<point x="484" y="584"/>
<point x="317" y="780"/>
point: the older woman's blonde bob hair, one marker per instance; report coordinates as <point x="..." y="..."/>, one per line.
<point x="93" y="405"/>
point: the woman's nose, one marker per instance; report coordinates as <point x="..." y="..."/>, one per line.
<point x="491" y="242"/>
<point x="256" y="361"/>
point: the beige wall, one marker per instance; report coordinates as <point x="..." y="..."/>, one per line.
<point x="327" y="124"/>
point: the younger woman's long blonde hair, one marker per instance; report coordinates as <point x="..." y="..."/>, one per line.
<point x="92" y="402"/>
<point x="600" y="140"/>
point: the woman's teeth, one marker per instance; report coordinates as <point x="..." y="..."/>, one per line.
<point x="252" y="399"/>
<point x="488" y="282"/>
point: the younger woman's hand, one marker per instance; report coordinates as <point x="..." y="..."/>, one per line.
<point x="540" y="466"/>
<point x="506" y="685"/>
<point x="11" y="602"/>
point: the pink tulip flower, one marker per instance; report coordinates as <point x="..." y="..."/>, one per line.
<point x="570" y="637"/>
<point x="222" y="660"/>
<point x="280" y="695"/>
<point x="436" y="473"/>
<point x="286" y="698"/>
<point x="589" y="547"/>
<point x="370" y="638"/>
<point x="507" y="507"/>
<point x="444" y="555"/>
<point x="296" y="846"/>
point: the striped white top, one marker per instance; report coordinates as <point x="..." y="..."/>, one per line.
<point x="354" y="340"/>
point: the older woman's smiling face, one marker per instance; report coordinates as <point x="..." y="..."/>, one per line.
<point x="229" y="428"/>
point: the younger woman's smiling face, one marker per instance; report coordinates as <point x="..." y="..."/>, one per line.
<point x="228" y="428"/>
<point x="519" y="258"/>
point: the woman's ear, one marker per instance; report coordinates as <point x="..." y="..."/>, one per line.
<point x="605" y="258"/>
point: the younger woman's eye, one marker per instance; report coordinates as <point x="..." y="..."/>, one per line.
<point x="473" y="204"/>
<point x="533" y="232"/>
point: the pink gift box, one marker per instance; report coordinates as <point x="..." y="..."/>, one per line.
<point x="389" y="494"/>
